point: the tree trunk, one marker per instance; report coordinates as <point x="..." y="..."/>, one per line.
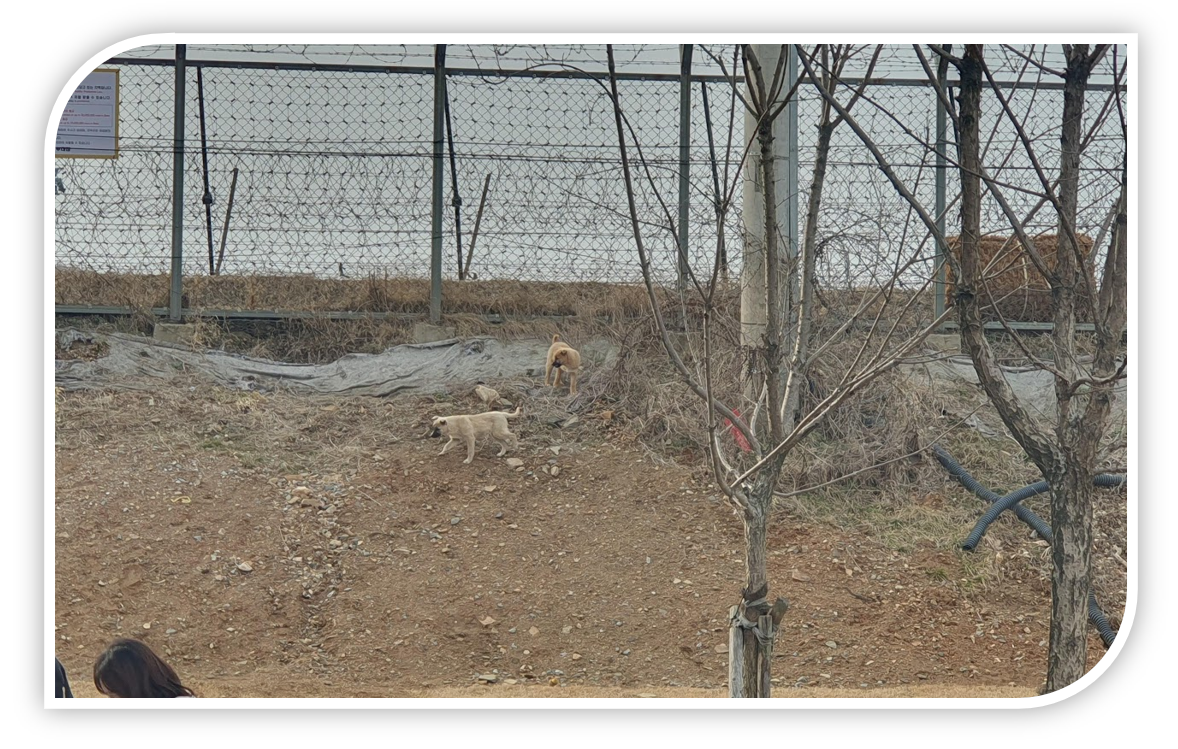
<point x="753" y="622"/>
<point x="753" y="601"/>
<point x="1071" y="549"/>
<point x="1081" y="417"/>
<point x="1067" y="279"/>
<point x="1068" y="461"/>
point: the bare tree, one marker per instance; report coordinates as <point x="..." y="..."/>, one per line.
<point x="1067" y="454"/>
<point x="783" y="349"/>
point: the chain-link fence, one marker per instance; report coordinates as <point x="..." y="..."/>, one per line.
<point x="326" y="170"/>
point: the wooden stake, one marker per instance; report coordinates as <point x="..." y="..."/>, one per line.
<point x="477" y="220"/>
<point x="225" y="228"/>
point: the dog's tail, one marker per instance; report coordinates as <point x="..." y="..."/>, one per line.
<point x="555" y="337"/>
<point x="513" y="415"/>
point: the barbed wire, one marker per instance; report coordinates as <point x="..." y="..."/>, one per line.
<point x="334" y="167"/>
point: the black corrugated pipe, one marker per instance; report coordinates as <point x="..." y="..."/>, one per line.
<point x="1027" y="516"/>
<point x="1098" y="619"/>
<point x="1095" y="616"/>
<point x="953" y="467"/>
<point x="1010" y="500"/>
<point x="997" y="507"/>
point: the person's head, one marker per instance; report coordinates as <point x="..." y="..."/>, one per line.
<point x="128" y="668"/>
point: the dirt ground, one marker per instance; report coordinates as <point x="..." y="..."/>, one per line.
<point x="281" y="545"/>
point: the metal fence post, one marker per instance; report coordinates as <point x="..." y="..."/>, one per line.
<point x="941" y="249"/>
<point x="435" y="287"/>
<point x="174" y="298"/>
<point x="684" y="159"/>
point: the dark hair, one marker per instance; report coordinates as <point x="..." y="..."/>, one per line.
<point x="62" y="684"/>
<point x="128" y="668"/>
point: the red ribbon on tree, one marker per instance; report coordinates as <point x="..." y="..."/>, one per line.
<point x="737" y="434"/>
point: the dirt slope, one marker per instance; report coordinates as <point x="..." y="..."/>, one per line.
<point x="274" y="545"/>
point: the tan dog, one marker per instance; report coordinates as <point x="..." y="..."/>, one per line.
<point x="470" y="428"/>
<point x="487" y="395"/>
<point x="562" y="358"/>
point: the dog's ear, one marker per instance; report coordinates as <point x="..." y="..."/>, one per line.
<point x="439" y="421"/>
<point x="556" y="337"/>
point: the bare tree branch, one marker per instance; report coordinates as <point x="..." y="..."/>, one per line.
<point x="943" y="52"/>
<point x="814" y="417"/>
<point x="886" y="168"/>
<point x="1049" y="193"/>
<point x="1015" y="51"/>
<point x="1012" y="411"/>
<point x="881" y="464"/>
<point x="644" y="262"/>
<point x="731" y="77"/>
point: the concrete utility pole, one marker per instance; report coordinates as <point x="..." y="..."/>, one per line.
<point x="753" y="300"/>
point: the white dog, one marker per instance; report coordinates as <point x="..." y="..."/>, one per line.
<point x="470" y="428"/>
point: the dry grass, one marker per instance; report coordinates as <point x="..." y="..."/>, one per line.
<point x="526" y="309"/>
<point x="372" y="294"/>
<point x="1021" y="291"/>
<point x="321" y="340"/>
<point x="904" y="498"/>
